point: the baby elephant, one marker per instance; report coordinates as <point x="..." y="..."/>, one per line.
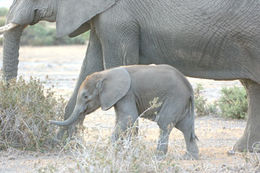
<point x="130" y="89"/>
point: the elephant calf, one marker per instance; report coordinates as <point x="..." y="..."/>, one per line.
<point x="130" y="89"/>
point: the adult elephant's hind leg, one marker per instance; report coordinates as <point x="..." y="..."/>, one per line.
<point x="92" y="63"/>
<point x="252" y="132"/>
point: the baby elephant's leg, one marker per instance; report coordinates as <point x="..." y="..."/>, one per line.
<point x="187" y="127"/>
<point x="162" y="146"/>
<point x="126" y="116"/>
<point x="122" y="126"/>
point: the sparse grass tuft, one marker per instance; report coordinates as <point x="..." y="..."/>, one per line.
<point x="25" y="108"/>
<point x="125" y="156"/>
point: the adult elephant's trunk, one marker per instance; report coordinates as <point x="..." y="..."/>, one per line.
<point x="74" y="117"/>
<point x="11" y="51"/>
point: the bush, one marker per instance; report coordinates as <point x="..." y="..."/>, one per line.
<point x="3" y="11"/>
<point x="203" y="108"/>
<point x="233" y="103"/>
<point x="25" y="108"/>
<point x="42" y="34"/>
<point x="2" y="21"/>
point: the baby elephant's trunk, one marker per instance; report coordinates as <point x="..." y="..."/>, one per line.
<point x="74" y="116"/>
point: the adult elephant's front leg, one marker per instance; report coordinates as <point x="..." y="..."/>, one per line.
<point x="252" y="132"/>
<point x="121" y="48"/>
<point x="123" y="52"/>
<point x="92" y="63"/>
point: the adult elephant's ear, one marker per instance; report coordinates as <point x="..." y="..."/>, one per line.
<point x="73" y="16"/>
<point x="113" y="86"/>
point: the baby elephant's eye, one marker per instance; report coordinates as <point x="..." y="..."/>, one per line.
<point x="86" y="97"/>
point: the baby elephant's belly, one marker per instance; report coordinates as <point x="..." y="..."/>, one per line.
<point x="150" y="110"/>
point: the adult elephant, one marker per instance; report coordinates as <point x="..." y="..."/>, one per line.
<point x="216" y="39"/>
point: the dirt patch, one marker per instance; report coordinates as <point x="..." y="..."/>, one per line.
<point x="24" y="161"/>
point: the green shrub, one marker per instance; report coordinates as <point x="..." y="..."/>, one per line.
<point x="2" y="21"/>
<point x="25" y="108"/>
<point x="233" y="102"/>
<point x="3" y="11"/>
<point x="42" y="34"/>
<point x="203" y="108"/>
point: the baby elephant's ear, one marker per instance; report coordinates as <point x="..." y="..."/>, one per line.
<point x="115" y="85"/>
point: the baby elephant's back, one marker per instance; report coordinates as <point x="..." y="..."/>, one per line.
<point x="158" y="80"/>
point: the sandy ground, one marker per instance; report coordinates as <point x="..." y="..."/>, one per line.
<point x="62" y="65"/>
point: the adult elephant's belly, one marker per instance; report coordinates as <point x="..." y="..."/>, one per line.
<point x="207" y="39"/>
<point x="213" y="55"/>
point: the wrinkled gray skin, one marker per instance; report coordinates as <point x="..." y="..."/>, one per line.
<point x="216" y="39"/>
<point x="130" y="89"/>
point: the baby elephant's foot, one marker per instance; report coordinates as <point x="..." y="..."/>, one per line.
<point x="190" y="156"/>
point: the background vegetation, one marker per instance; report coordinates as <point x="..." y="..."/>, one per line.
<point x="43" y="34"/>
<point x="202" y="107"/>
<point x="3" y="11"/>
<point x="231" y="104"/>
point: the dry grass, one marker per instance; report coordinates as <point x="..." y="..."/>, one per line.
<point x="131" y="156"/>
<point x="138" y="155"/>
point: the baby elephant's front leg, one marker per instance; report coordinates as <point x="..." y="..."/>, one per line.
<point x="124" y="127"/>
<point x="126" y="115"/>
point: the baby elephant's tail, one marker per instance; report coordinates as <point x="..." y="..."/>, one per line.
<point x="192" y="114"/>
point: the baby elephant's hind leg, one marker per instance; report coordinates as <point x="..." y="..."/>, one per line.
<point x="186" y="126"/>
<point x="162" y="146"/>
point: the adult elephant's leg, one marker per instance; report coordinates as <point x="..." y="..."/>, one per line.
<point x="251" y="133"/>
<point x="122" y="47"/>
<point x="122" y="52"/>
<point x="92" y="63"/>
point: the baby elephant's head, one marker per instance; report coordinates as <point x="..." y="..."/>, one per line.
<point x="100" y="89"/>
